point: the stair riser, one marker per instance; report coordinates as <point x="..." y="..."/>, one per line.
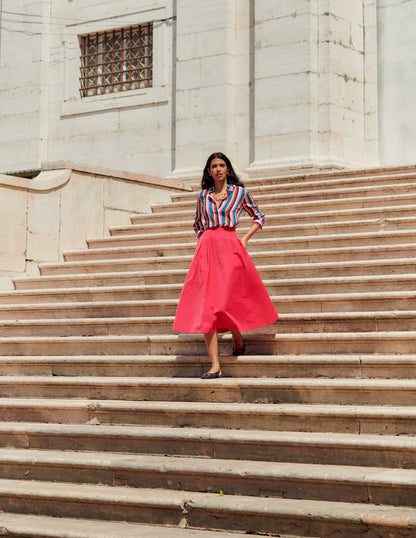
<point x="195" y="367"/>
<point x="93" y="295"/>
<point x="266" y="258"/>
<point x="83" y="281"/>
<point x="141" y="238"/>
<point x="212" y="392"/>
<point x="266" y="272"/>
<point x="284" y="304"/>
<point x="350" y="198"/>
<point x="299" y="525"/>
<point x="356" y="423"/>
<point x="158" y="221"/>
<point x="91" y="509"/>
<point x="149" y="327"/>
<point x="324" y="344"/>
<point x="408" y="183"/>
<point x="195" y="516"/>
<point x="272" y="256"/>
<point x="273" y="287"/>
<point x="257" y="245"/>
<point x="374" y="456"/>
<point x="274" y="485"/>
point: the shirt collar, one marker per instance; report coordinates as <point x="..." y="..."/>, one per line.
<point x="230" y="187"/>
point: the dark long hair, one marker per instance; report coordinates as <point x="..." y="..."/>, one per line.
<point x="232" y="178"/>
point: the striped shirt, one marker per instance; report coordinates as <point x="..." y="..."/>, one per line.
<point x="226" y="213"/>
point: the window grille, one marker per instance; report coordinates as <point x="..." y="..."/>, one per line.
<point x="116" y="60"/>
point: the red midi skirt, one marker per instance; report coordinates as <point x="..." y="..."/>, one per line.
<point x="222" y="289"/>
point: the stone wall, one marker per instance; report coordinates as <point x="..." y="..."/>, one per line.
<point x="397" y="80"/>
<point x="278" y="85"/>
<point x="59" y="209"/>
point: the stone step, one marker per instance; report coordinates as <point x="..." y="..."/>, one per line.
<point x="352" y="419"/>
<point x="319" y="180"/>
<point x="274" y="446"/>
<point x="339" y="391"/>
<point x="274" y="255"/>
<point x="341" y="483"/>
<point x="401" y="190"/>
<point x="150" y="237"/>
<point x="107" y="246"/>
<point x="79" y="280"/>
<point x="171" y="212"/>
<point x="152" y="223"/>
<point x="295" y="304"/>
<point x="314" y="184"/>
<point x="315" y="322"/>
<point x="367" y="173"/>
<point x="395" y="342"/>
<point x="401" y="269"/>
<point x="25" y="526"/>
<point x="272" y="205"/>
<point x="205" y="510"/>
<point x="274" y="366"/>
<point x="290" y="286"/>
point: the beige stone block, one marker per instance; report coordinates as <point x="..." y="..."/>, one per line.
<point x="371" y="97"/>
<point x="114" y="217"/>
<point x="194" y="17"/>
<point x="6" y="282"/>
<point x="42" y="248"/>
<point x="342" y="91"/>
<point x="265" y="9"/>
<point x="283" y="60"/>
<point x="13" y="213"/>
<point x="189" y="74"/>
<point x="285" y="90"/>
<point x="295" y="146"/>
<point x="132" y="196"/>
<point x="350" y="11"/>
<point x="43" y="212"/>
<point x="282" y="31"/>
<point x="290" y="119"/>
<point x="214" y="42"/>
<point x="82" y="213"/>
<point x="186" y="47"/>
<point x="371" y="126"/>
<point x="198" y="102"/>
<point x="347" y="62"/>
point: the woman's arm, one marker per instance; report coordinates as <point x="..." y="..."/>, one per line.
<point x="254" y="211"/>
<point x="254" y="228"/>
<point x="198" y="224"/>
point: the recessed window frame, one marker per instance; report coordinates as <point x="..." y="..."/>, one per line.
<point x="160" y="13"/>
<point x="116" y="60"/>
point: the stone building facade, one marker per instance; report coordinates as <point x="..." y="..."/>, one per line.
<point x="277" y="84"/>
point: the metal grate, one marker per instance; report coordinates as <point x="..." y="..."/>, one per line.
<point x="116" y="60"/>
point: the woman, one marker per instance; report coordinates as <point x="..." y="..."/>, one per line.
<point x="223" y="290"/>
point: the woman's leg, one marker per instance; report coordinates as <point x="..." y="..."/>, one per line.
<point x="211" y="341"/>
<point x="238" y="340"/>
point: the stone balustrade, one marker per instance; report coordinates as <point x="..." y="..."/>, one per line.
<point x="65" y="204"/>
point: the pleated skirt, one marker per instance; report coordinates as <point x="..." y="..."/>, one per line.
<point x="222" y="289"/>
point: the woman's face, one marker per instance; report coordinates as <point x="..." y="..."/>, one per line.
<point x="218" y="169"/>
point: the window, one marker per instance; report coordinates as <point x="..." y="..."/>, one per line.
<point x="116" y="60"/>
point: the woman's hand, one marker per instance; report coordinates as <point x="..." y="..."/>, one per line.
<point x="254" y="228"/>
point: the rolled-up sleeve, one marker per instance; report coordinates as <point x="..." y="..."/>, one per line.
<point x="198" y="224"/>
<point x="253" y="209"/>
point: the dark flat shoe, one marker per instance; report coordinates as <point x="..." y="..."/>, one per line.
<point x="212" y="375"/>
<point x="241" y="351"/>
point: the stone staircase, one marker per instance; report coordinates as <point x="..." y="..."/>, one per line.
<point x="107" y="430"/>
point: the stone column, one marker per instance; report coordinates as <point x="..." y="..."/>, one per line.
<point x="204" y="101"/>
<point x="315" y="87"/>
